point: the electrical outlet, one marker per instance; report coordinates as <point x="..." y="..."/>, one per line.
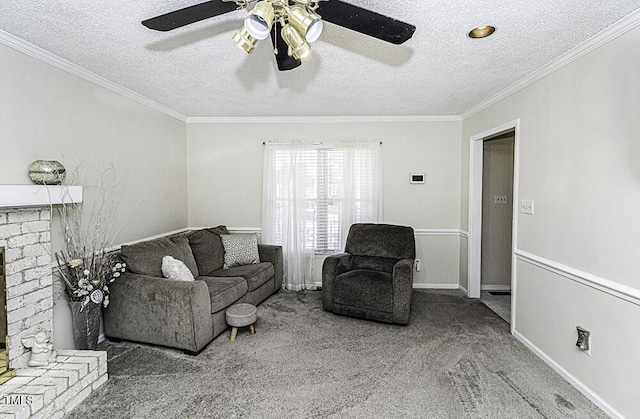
<point x="500" y="199"/>
<point x="584" y="340"/>
<point x="526" y="206"/>
<point x="417" y="265"/>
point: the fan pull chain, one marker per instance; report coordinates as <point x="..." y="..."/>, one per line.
<point x="275" y="39"/>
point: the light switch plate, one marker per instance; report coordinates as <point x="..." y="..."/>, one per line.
<point x="526" y="206"/>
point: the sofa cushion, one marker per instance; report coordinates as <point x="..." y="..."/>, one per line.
<point x="370" y="290"/>
<point x="145" y="258"/>
<point x="255" y="275"/>
<point x="207" y="250"/>
<point x="224" y="291"/>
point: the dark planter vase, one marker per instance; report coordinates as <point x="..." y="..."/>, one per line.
<point x="86" y="323"/>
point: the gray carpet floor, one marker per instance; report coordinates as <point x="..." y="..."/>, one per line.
<point x="456" y="359"/>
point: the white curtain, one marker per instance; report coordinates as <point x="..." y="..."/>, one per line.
<point x="312" y="193"/>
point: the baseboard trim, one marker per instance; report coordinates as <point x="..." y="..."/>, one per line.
<point x="621" y="291"/>
<point x="463" y="289"/>
<point x="579" y="385"/>
<point x="436" y="286"/>
<point x="495" y="287"/>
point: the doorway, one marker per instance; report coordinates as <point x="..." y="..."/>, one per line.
<point x="497" y="219"/>
<point x="475" y="245"/>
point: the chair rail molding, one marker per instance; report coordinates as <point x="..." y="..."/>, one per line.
<point x="438" y="232"/>
<point x="608" y="286"/>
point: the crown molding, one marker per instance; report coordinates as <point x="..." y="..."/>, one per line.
<point x="608" y="34"/>
<point x="320" y="119"/>
<point x="615" y="30"/>
<point x="62" y="64"/>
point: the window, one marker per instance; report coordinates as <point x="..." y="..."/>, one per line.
<point x="314" y="192"/>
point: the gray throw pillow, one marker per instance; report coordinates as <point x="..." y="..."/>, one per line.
<point x="240" y="249"/>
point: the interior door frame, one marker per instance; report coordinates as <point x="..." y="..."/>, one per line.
<point x="475" y="209"/>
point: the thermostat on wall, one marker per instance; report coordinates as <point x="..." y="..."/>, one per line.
<point x="417" y="178"/>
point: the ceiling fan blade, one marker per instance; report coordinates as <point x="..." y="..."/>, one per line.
<point x="365" y="21"/>
<point x="285" y="62"/>
<point x="188" y="15"/>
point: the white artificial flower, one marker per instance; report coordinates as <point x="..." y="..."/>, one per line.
<point x="74" y="263"/>
<point x="86" y="272"/>
<point x="97" y="296"/>
<point x="116" y="274"/>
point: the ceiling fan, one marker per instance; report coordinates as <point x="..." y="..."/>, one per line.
<point x="292" y="24"/>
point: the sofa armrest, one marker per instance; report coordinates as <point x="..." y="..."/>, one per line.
<point x="333" y="266"/>
<point x="159" y="311"/>
<point x="273" y="253"/>
<point x="402" y="290"/>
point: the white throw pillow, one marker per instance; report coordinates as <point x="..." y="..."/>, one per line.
<point x="176" y="269"/>
<point x="240" y="249"/>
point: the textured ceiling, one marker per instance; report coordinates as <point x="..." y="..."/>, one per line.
<point x="198" y="71"/>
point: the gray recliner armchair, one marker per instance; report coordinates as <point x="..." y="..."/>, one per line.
<point x="373" y="278"/>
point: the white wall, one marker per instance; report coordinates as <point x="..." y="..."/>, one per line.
<point x="46" y="113"/>
<point x="580" y="163"/>
<point x="225" y="179"/>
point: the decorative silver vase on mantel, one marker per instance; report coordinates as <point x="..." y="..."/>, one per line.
<point x="47" y="172"/>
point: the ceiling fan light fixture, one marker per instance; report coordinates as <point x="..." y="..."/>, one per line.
<point x="291" y="24"/>
<point x="259" y="21"/>
<point x="245" y="40"/>
<point x="307" y="23"/>
<point x="481" y="32"/>
<point x="298" y="47"/>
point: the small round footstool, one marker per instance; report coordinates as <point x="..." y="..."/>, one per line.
<point x="241" y="315"/>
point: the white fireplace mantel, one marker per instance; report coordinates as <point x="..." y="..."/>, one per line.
<point x="19" y="196"/>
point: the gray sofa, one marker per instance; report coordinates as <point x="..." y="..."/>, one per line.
<point x="146" y="307"/>
<point x="373" y="278"/>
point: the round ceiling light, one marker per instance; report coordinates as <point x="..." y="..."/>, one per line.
<point x="482" y="32"/>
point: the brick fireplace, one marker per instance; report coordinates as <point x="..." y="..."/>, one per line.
<point x="25" y="220"/>
<point x="25" y="235"/>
